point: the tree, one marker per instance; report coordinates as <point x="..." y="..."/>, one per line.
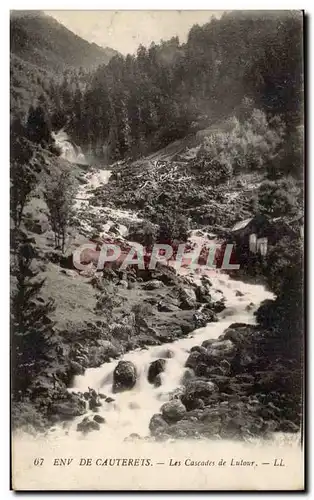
<point x="22" y="176"/>
<point x="31" y="327"/>
<point x="38" y="125"/>
<point x="278" y="198"/>
<point x="59" y="195"/>
<point x="172" y="228"/>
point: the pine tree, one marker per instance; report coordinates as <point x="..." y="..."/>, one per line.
<point x="31" y="327"/>
<point x="59" y="195"/>
<point x="38" y="125"/>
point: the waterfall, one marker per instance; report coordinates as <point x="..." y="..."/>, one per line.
<point x="69" y="150"/>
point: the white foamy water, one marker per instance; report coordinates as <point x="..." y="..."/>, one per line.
<point x="132" y="410"/>
<point x="68" y="151"/>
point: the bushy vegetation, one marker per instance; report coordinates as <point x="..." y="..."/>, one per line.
<point x="281" y="198"/>
<point x="284" y="317"/>
<point x="243" y="147"/>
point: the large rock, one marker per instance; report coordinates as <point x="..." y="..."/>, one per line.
<point x="76" y="368"/>
<point x="155" y="368"/>
<point x="166" y="306"/>
<point x="157" y="424"/>
<point x="202" y="294"/>
<point x="173" y="411"/>
<point x="222" y="349"/>
<point x="69" y="408"/>
<point x="87" y="425"/>
<point x="198" y="357"/>
<point x="198" y="389"/>
<point x="193" y="360"/>
<point x="124" y="376"/>
<point x="187" y="298"/>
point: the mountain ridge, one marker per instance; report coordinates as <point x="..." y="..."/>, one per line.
<point x="40" y="39"/>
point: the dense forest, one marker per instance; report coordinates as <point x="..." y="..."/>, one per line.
<point x="137" y="104"/>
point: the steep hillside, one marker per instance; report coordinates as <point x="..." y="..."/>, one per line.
<point x="39" y="39"/>
<point x="41" y="51"/>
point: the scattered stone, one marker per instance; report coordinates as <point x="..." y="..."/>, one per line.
<point x="99" y="419"/>
<point x="109" y="400"/>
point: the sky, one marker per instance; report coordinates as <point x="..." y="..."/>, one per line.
<point x="126" y="30"/>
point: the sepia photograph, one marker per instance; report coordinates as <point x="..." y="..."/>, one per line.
<point x="157" y="323"/>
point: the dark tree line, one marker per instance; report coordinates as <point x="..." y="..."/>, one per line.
<point x="140" y="103"/>
<point x="136" y="104"/>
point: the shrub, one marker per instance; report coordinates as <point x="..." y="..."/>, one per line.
<point x="248" y="145"/>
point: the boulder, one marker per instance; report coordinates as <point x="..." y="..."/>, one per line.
<point x="76" y="368"/>
<point x="200" y="388"/>
<point x="87" y="425"/>
<point x="124" y="376"/>
<point x="218" y="306"/>
<point x="198" y="348"/>
<point x="123" y="284"/>
<point x="108" y="349"/>
<point x="222" y="349"/>
<point x="39" y="225"/>
<point x="187" y="375"/>
<point x="201" y="318"/>
<point x="69" y="408"/>
<point x="187" y="299"/>
<point x="202" y="294"/>
<point x="201" y="370"/>
<point x="165" y="306"/>
<point x="155" y="368"/>
<point x="94" y="403"/>
<point x="152" y="285"/>
<point x="207" y="343"/>
<point x="157" y="424"/>
<point x="173" y="411"/>
<point x="99" y="419"/>
<point x="193" y="360"/>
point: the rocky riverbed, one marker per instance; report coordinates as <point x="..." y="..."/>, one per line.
<point x="165" y="354"/>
